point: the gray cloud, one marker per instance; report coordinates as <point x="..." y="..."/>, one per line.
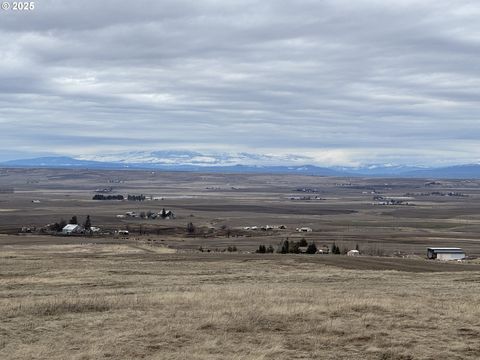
<point x="346" y="83"/>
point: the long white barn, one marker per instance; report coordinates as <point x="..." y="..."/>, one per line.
<point x="445" y="253"/>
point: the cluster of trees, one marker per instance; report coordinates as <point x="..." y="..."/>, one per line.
<point x="140" y="197"/>
<point x="58" y="226"/>
<point x="263" y="250"/>
<point x="229" y="249"/>
<point x="335" y="249"/>
<point x="293" y="247"/>
<point x="107" y="197"/>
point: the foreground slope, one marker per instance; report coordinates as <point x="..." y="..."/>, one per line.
<point x="124" y="302"/>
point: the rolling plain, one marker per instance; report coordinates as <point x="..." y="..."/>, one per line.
<point x="154" y="295"/>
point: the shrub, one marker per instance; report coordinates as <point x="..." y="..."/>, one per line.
<point x="294" y="248"/>
<point x="261" y="249"/>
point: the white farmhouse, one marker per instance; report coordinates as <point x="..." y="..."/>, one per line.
<point x="71" y="229"/>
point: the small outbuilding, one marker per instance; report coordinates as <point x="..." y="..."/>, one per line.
<point x="72" y="229"/>
<point x="304" y="229"/>
<point x="353" y="253"/>
<point x="445" y="253"/>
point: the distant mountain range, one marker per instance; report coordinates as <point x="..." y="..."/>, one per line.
<point x="239" y="163"/>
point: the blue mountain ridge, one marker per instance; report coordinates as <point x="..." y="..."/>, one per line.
<point x="468" y="171"/>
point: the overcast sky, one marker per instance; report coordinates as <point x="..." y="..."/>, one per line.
<point x="344" y="82"/>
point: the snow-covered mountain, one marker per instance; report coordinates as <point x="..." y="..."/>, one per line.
<point x="193" y="158"/>
<point x="240" y="163"/>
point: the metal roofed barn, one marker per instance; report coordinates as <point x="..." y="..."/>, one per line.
<point x="445" y="253"/>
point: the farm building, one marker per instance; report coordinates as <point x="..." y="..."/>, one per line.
<point x="167" y="214"/>
<point x="304" y="229"/>
<point x="72" y="229"/>
<point x="445" y="253"/>
<point x="94" y="229"/>
<point x="353" y="253"/>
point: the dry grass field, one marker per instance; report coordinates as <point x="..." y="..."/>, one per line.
<point x="107" y="301"/>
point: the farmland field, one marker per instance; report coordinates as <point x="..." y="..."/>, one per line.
<point x="154" y="295"/>
<point x="220" y="206"/>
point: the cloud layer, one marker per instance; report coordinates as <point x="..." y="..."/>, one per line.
<point x="340" y="81"/>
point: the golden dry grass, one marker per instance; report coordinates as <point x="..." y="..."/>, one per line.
<point x="100" y="304"/>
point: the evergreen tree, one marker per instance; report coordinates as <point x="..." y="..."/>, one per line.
<point x="312" y="248"/>
<point x="73" y="220"/>
<point x="61" y="225"/>
<point x="88" y="223"/>
<point x="190" y="228"/>
<point x="285" y="247"/>
<point x="335" y="249"/>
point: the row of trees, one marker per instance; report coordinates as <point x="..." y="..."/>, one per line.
<point x="229" y="249"/>
<point x="289" y="247"/>
<point x="140" y="197"/>
<point x="293" y="247"/>
<point x="107" y="197"/>
<point x="263" y="250"/>
<point x="335" y="249"/>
